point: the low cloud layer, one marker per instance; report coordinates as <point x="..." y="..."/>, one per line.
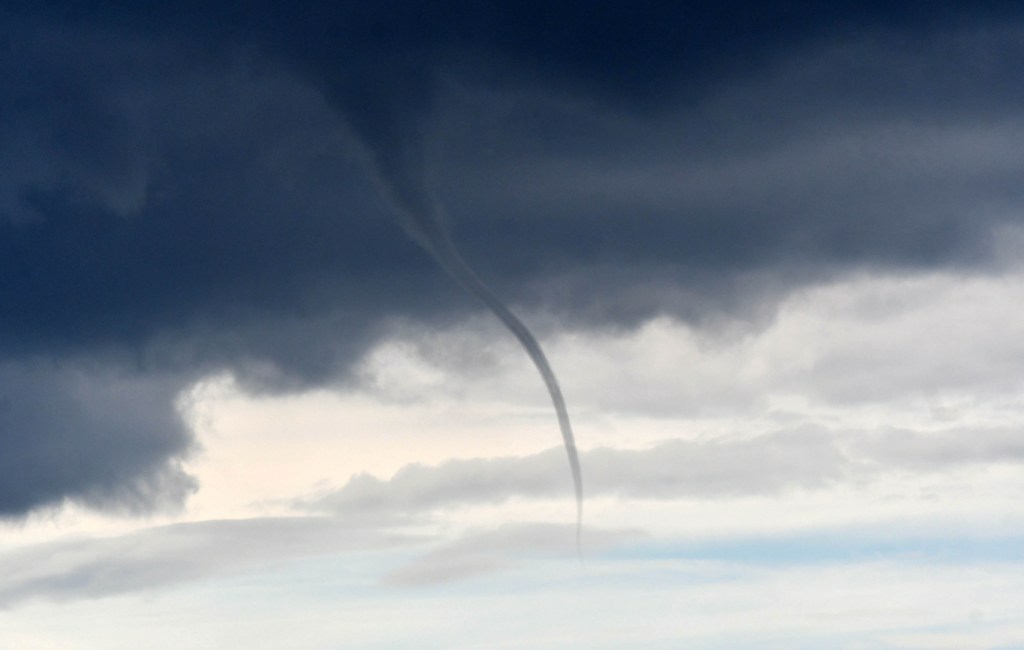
<point x="806" y="458"/>
<point x="163" y="556"/>
<point x="166" y="556"/>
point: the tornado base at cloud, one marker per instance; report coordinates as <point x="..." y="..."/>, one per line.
<point x="448" y="257"/>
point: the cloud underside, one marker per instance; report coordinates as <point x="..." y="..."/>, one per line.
<point x="189" y="191"/>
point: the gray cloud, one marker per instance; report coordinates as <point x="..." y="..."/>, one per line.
<point x="792" y="459"/>
<point x="958" y="446"/>
<point x="804" y="458"/>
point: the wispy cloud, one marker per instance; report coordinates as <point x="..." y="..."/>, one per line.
<point x="163" y="556"/>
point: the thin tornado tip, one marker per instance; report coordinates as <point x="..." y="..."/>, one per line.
<point x="579" y="531"/>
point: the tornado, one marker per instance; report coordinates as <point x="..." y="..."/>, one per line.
<point x="385" y="105"/>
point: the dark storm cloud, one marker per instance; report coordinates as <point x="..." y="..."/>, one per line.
<point x="107" y="439"/>
<point x="190" y="188"/>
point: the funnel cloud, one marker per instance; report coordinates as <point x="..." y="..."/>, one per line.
<point x="395" y="155"/>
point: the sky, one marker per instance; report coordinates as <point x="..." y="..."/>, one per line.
<point x="772" y="251"/>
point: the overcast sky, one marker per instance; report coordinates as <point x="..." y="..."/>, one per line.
<point x="771" y="249"/>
